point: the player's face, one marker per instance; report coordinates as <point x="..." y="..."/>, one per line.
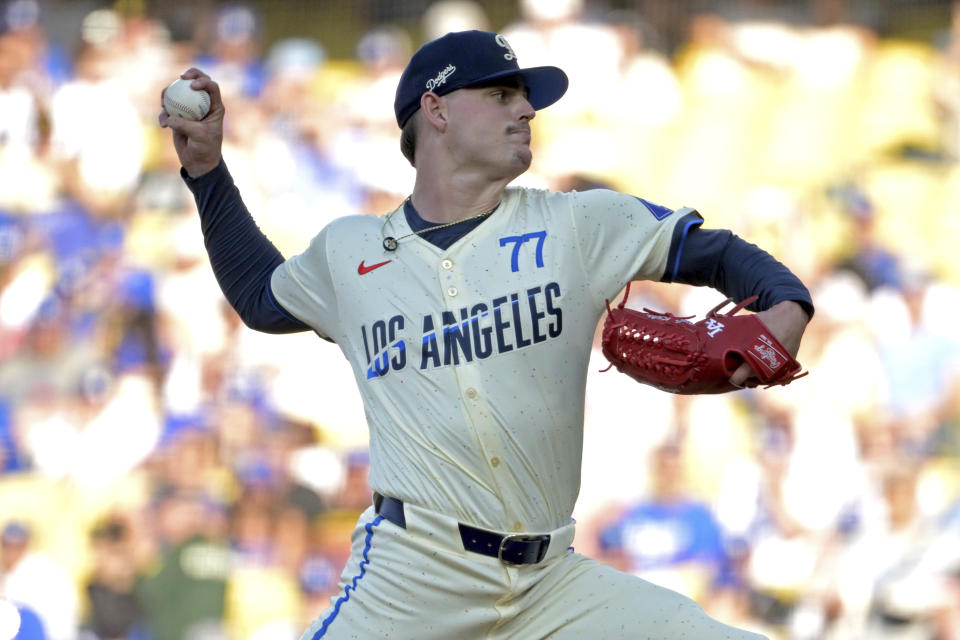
<point x="490" y="127"/>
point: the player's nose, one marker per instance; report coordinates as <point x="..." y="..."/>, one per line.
<point x="527" y="112"/>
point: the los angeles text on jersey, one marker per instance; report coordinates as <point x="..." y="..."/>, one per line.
<point x="512" y="321"/>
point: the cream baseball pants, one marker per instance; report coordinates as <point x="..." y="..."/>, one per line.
<point x="417" y="582"/>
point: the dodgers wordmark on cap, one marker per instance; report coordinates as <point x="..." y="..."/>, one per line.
<point x="467" y="58"/>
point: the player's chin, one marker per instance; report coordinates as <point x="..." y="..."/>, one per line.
<point x="523" y="157"/>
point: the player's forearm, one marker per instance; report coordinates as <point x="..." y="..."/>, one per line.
<point x="747" y="270"/>
<point x="719" y="259"/>
<point x="242" y="257"/>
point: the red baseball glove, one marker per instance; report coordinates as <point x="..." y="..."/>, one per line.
<point x="679" y="356"/>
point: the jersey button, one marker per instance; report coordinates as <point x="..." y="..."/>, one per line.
<point x="452" y="291"/>
<point x="495" y="462"/>
<point x="447" y="264"/>
<point x="518" y="526"/>
<point x="471" y="393"/>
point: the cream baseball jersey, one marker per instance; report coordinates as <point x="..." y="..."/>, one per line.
<point x="472" y="361"/>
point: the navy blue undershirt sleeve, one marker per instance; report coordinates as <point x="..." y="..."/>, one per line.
<point x="717" y="258"/>
<point x="242" y="257"/>
<point x="680" y="232"/>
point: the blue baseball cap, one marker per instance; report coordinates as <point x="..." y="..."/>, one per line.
<point x="465" y="59"/>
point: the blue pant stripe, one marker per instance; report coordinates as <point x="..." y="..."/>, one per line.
<point x="353" y="583"/>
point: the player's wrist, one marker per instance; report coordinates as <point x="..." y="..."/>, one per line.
<point x="792" y="308"/>
<point x="196" y="170"/>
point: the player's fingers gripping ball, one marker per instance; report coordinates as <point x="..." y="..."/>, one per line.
<point x="680" y="356"/>
<point x="180" y="99"/>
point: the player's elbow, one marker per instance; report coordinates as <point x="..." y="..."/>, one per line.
<point x="266" y="318"/>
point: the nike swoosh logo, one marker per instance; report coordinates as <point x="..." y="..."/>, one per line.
<point x="362" y="269"/>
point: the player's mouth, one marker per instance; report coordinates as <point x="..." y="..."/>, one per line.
<point x="523" y="132"/>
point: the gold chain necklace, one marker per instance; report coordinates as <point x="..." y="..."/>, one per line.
<point x="390" y="243"/>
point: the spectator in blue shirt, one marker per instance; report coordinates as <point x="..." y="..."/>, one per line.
<point x="670" y="538"/>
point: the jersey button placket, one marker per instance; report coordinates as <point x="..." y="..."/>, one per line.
<point x="447" y="265"/>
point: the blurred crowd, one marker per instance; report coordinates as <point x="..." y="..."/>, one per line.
<point x="168" y="474"/>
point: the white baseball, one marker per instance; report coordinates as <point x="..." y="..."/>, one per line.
<point x="180" y="99"/>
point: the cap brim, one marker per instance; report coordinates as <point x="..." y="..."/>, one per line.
<point x="546" y="84"/>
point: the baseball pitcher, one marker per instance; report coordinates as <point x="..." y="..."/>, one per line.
<point x="467" y="315"/>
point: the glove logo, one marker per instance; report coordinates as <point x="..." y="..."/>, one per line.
<point x="714" y="327"/>
<point x="768" y="354"/>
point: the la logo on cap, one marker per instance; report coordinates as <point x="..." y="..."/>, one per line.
<point x="506" y="45"/>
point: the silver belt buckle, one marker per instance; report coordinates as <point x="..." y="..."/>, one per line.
<point x="543" y="539"/>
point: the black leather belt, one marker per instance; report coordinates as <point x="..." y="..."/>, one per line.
<point x="514" y="548"/>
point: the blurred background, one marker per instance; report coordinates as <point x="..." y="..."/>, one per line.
<point x="168" y="474"/>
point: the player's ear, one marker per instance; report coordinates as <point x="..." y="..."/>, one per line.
<point x="434" y="109"/>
